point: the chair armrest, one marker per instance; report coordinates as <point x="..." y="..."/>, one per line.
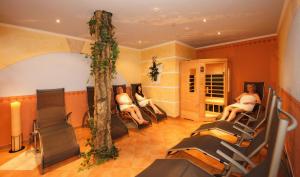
<point x="67" y="117"/>
<point x="238" y="153"/>
<point x="243" y="131"/>
<point x="34" y="135"/>
<point x="248" y="129"/>
<point x="233" y="162"/>
<point x="250" y="117"/>
<point x="35" y="126"/>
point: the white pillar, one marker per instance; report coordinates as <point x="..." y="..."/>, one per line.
<point x="16" y="127"/>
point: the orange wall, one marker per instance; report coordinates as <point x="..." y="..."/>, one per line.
<point x="254" y="60"/>
<point x="75" y="102"/>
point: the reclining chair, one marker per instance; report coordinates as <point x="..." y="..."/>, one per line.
<point x="118" y="128"/>
<point x="209" y="144"/>
<point x="147" y="109"/>
<point x="126" y="115"/>
<point x="56" y="136"/>
<point x="267" y="168"/>
<point x="240" y="130"/>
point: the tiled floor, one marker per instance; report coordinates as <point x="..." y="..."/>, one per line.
<point x="137" y="151"/>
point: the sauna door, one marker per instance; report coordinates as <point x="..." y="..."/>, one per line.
<point x="189" y="91"/>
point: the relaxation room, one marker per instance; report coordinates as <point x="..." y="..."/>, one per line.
<point x="169" y="88"/>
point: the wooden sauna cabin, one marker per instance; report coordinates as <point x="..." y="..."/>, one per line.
<point x="204" y="88"/>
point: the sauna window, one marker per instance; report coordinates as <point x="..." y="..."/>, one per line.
<point x="214" y="108"/>
<point x="214" y="85"/>
<point x="192" y="80"/>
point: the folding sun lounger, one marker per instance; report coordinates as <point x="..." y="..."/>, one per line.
<point x="125" y="115"/>
<point x="267" y="168"/>
<point x="118" y="128"/>
<point x="56" y="136"/>
<point x="148" y="109"/>
<point x="209" y="145"/>
<point x="240" y="130"/>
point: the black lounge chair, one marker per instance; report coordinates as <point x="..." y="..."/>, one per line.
<point x="126" y="115"/>
<point x="56" y="136"/>
<point x="118" y="128"/>
<point x="147" y="109"/>
<point x="267" y="168"/>
<point x="240" y="130"/>
<point x="173" y="168"/>
<point x="209" y="145"/>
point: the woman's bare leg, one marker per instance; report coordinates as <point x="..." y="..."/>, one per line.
<point x="226" y="112"/>
<point x="135" y="116"/>
<point x="233" y="113"/>
<point x="139" y="114"/>
<point x="156" y="110"/>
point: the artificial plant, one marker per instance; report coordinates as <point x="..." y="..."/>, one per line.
<point x="104" y="53"/>
<point x="154" y="70"/>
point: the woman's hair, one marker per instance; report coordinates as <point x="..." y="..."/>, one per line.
<point x="119" y="88"/>
<point x="140" y="92"/>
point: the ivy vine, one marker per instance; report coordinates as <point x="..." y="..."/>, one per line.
<point x="104" y="54"/>
<point x="96" y="156"/>
<point x="106" y="40"/>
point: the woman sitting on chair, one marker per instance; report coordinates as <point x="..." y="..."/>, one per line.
<point x="244" y="103"/>
<point x="143" y="101"/>
<point x="126" y="104"/>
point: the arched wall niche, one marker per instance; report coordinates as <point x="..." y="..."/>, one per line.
<point x="55" y="70"/>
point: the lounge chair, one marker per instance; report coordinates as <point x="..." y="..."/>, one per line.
<point x="126" y="115"/>
<point x="118" y="128"/>
<point x="247" y="117"/>
<point x="209" y="145"/>
<point x="241" y="130"/>
<point x="267" y="168"/>
<point x="148" y="109"/>
<point x="56" y="136"/>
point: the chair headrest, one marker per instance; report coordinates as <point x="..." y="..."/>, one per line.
<point x="259" y="88"/>
<point x="115" y="88"/>
<point x="50" y="98"/>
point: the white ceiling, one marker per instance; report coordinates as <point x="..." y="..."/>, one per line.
<point x="136" y="20"/>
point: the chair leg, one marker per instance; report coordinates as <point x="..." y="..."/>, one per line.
<point x="42" y="170"/>
<point x="84" y="119"/>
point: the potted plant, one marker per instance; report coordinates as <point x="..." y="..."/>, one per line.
<point x="154" y="70"/>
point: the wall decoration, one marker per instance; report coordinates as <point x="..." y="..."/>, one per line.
<point x="154" y="69"/>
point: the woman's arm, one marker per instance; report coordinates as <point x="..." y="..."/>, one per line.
<point x="139" y="97"/>
<point x="237" y="99"/>
<point x="258" y="100"/>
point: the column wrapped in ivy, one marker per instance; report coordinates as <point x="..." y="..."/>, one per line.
<point x="104" y="53"/>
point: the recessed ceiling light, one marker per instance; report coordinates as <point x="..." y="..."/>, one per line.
<point x="204" y="20"/>
<point x="187" y="28"/>
<point x="57" y="20"/>
<point x="140" y="42"/>
<point x="156" y="9"/>
<point x="219" y="33"/>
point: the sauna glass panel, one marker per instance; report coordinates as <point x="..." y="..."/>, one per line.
<point x="214" y="84"/>
<point x="191" y="83"/>
<point x="216" y="108"/>
<point x="221" y="108"/>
